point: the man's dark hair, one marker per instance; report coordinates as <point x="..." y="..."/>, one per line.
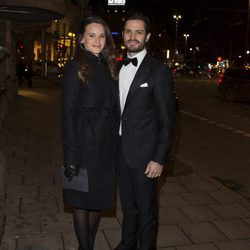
<point x="142" y="17"/>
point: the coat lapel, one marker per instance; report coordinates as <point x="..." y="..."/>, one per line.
<point x="139" y="78"/>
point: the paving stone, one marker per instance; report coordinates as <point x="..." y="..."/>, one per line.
<point x="12" y="206"/>
<point x="53" y="170"/>
<point x="197" y="247"/>
<point x="20" y="151"/>
<point x="31" y="143"/>
<point x="101" y="242"/>
<point x="21" y="224"/>
<point x="233" y="229"/>
<point x="8" y="242"/>
<point x="57" y="222"/>
<point x="22" y="192"/>
<point x="118" y="204"/>
<point x="167" y="248"/>
<point x="234" y="245"/>
<point x="3" y="139"/>
<point x="200" y="213"/>
<point x="33" y="161"/>
<point x="57" y="160"/>
<point x="44" y="148"/>
<point x="171" y="235"/>
<point x="40" y="242"/>
<point x="174" y="188"/>
<point x="182" y="178"/>
<point x="203" y="233"/>
<point x="172" y="200"/>
<point x="170" y="179"/>
<point x="230" y="210"/>
<point x="119" y="216"/>
<point x="247" y="220"/>
<point x="60" y="204"/>
<point x="220" y="197"/>
<point x="23" y="169"/>
<point x="237" y="198"/>
<point x="2" y="217"/>
<point x="171" y="216"/>
<point x="109" y="223"/>
<point x="21" y="137"/>
<point x="70" y="241"/>
<point x="193" y="177"/>
<point x="113" y="236"/>
<point x="200" y="186"/>
<point x="197" y="199"/>
<point x="14" y="179"/>
<point x="38" y="179"/>
<point x="34" y="206"/>
<point x="14" y="162"/>
<point x="50" y="191"/>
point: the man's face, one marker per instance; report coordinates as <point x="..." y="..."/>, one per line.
<point x="135" y="36"/>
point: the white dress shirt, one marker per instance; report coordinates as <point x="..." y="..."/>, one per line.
<point x="126" y="76"/>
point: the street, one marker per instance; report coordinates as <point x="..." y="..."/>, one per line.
<point x="212" y="134"/>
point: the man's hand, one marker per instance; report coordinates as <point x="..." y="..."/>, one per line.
<point x="153" y="169"/>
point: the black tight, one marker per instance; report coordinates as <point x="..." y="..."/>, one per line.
<point x="86" y="223"/>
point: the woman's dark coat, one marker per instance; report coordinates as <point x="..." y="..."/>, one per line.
<point x="88" y="131"/>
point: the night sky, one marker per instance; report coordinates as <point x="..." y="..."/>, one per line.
<point x="216" y="26"/>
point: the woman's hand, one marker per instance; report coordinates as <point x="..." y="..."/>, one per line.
<point x="70" y="171"/>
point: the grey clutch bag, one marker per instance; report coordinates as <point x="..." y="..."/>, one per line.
<point x="78" y="183"/>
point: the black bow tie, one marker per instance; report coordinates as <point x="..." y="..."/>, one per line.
<point x="133" y="60"/>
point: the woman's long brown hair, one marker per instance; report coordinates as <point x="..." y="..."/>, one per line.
<point x="83" y="68"/>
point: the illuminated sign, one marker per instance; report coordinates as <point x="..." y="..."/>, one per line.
<point x="117" y="2"/>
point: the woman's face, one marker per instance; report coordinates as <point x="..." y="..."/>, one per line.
<point x="94" y="38"/>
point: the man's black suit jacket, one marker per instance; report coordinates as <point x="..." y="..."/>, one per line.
<point x="148" y="115"/>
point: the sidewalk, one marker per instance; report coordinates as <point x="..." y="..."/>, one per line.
<point x="196" y="212"/>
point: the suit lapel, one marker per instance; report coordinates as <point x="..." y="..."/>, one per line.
<point x="139" y="78"/>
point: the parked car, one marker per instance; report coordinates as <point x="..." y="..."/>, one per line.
<point x="52" y="68"/>
<point x="234" y="85"/>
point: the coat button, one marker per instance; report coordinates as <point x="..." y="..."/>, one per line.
<point x="124" y="118"/>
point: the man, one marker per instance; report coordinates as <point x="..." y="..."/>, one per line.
<point x="147" y="105"/>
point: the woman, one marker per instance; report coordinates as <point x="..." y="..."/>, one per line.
<point x="88" y="105"/>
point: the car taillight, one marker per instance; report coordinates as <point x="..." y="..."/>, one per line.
<point x="220" y="78"/>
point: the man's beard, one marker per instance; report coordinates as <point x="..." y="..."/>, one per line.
<point x="139" y="47"/>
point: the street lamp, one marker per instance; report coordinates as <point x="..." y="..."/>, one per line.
<point x="176" y="17"/>
<point x="185" y="53"/>
<point x="247" y="30"/>
<point x="71" y="36"/>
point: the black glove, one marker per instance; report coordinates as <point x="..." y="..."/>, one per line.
<point x="70" y="171"/>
